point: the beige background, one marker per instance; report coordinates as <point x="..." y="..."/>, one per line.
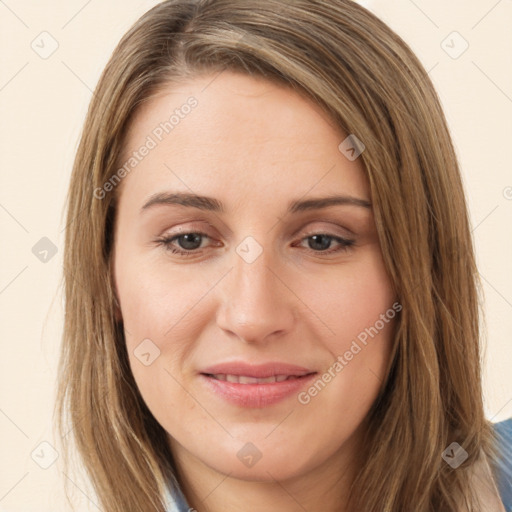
<point x="43" y="103"/>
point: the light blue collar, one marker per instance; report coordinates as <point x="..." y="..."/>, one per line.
<point x="175" y="500"/>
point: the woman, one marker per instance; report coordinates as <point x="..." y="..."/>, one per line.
<point x="216" y="356"/>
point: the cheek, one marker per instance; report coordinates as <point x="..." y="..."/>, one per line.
<point x="155" y="324"/>
<point x="156" y="303"/>
<point x="360" y="311"/>
<point x="352" y="302"/>
<point x="163" y="316"/>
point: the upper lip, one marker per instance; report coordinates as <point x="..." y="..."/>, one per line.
<point x="256" y="370"/>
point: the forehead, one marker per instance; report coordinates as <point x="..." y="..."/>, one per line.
<point x="236" y="137"/>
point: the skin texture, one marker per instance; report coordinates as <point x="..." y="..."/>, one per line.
<point x="254" y="146"/>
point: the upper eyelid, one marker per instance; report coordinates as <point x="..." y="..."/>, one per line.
<point x="192" y="228"/>
<point x="307" y="233"/>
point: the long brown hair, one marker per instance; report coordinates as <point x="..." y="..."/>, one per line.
<point x="370" y="84"/>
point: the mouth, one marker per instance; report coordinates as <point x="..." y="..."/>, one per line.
<point x="243" y="385"/>
<point x="246" y="379"/>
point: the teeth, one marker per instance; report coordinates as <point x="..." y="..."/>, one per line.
<point x="243" y="379"/>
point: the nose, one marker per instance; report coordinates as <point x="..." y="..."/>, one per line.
<point x="257" y="304"/>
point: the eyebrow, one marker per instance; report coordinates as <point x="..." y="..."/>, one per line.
<point x="211" y="204"/>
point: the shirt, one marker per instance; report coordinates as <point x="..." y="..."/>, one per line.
<point x="176" y="501"/>
<point x="504" y="432"/>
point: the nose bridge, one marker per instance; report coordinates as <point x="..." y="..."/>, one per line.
<point x="255" y="302"/>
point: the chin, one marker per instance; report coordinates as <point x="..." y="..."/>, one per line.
<point x="260" y="461"/>
<point x="263" y="471"/>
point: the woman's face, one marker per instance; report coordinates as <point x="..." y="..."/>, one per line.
<point x="274" y="282"/>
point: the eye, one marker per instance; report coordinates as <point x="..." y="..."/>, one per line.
<point x="189" y="243"/>
<point x="320" y="243"/>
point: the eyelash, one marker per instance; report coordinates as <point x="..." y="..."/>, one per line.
<point x="345" y="243"/>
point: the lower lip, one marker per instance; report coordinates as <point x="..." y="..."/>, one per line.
<point x="256" y="395"/>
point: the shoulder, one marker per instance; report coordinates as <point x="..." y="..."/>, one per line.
<point x="504" y="434"/>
